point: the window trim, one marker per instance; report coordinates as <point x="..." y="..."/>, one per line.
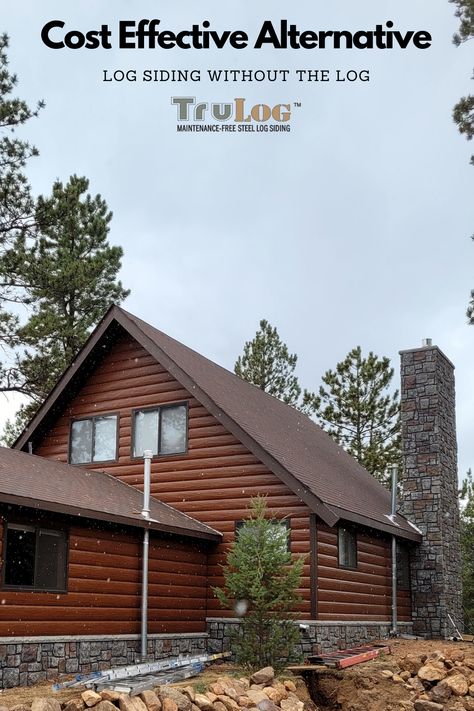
<point x="153" y="408"/>
<point x="285" y="521"/>
<point x="27" y="588"/>
<point x="93" y="418"/>
<point x="353" y="531"/>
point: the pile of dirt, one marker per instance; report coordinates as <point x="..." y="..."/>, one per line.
<point x="392" y="682"/>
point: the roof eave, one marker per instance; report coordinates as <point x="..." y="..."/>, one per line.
<point x="107" y="517"/>
<point x="394" y="530"/>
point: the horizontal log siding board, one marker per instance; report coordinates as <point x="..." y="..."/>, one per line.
<point x="361" y="594"/>
<point x="212" y="483"/>
<point x="104" y="588"/>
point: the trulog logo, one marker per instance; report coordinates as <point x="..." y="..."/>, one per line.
<point x="232" y="116"/>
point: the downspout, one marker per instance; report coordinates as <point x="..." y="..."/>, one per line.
<point x="147" y="456"/>
<point x="394" y="630"/>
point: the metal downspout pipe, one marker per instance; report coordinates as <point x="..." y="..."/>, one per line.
<point x="394" y="630"/>
<point x="147" y="457"/>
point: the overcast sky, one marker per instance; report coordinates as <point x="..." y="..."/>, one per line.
<point x="352" y="229"/>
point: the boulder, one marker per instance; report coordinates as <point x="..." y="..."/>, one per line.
<point x="168" y="704"/>
<point x="275" y="694"/>
<point x="219" y="706"/>
<point x="105" y="705"/>
<point x="291" y="704"/>
<point x="75" y="705"/>
<point x="422" y="705"/>
<point x="386" y="673"/>
<point x="90" y="698"/>
<point x="289" y="685"/>
<point x="256" y="695"/>
<point x="211" y="696"/>
<point x="190" y="693"/>
<point x="131" y="703"/>
<point x="430" y="672"/>
<point x="244" y="701"/>
<point x="110" y="695"/>
<point x="151" y="700"/>
<point x="264" y="676"/>
<point x="217" y="688"/>
<point x="43" y="704"/>
<point x="468" y="703"/>
<point x="181" y="700"/>
<point x="229" y="703"/>
<point x="458" y="684"/>
<point x="19" y="707"/>
<point x="471" y="690"/>
<point x="441" y="693"/>
<point x="416" y="684"/>
<point x="405" y="675"/>
<point x="267" y="705"/>
<point x="203" y="702"/>
<point x="411" y="663"/>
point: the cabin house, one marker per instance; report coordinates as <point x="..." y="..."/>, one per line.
<point x="72" y="524"/>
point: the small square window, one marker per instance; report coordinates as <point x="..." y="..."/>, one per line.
<point x="93" y="439"/>
<point x="347" y="548"/>
<point x="163" y="430"/>
<point x="35" y="558"/>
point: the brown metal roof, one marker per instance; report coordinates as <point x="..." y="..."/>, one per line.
<point x="297" y="450"/>
<point x="45" y="484"/>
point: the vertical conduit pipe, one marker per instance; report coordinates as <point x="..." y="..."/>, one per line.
<point x="147" y="456"/>
<point x="394" y="552"/>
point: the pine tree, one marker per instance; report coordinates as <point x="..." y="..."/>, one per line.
<point x="267" y="363"/>
<point x="71" y="274"/>
<point x="16" y="204"/>
<point x="467" y="547"/>
<point x="262" y="582"/>
<point x="463" y="112"/>
<point x="356" y="408"/>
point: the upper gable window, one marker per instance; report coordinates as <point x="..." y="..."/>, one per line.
<point x="93" y="439"/>
<point x="163" y="430"/>
<point x="347" y="547"/>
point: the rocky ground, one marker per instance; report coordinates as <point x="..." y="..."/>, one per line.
<point x="417" y="676"/>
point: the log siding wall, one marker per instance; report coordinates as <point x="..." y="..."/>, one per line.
<point x="213" y="481"/>
<point x="104" y="586"/>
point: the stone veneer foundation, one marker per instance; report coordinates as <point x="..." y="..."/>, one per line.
<point x="24" y="662"/>
<point x="316" y="637"/>
<point x="430" y="488"/>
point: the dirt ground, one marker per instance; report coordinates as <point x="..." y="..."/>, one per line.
<point x="358" y="688"/>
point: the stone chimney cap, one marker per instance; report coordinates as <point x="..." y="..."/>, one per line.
<point x="427" y="342"/>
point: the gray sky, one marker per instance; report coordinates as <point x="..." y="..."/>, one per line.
<point x="351" y="229"/>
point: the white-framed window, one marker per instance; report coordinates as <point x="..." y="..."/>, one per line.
<point x="93" y="439"/>
<point x="163" y="430"/>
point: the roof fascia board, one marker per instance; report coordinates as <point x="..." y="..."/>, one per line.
<point x="65" y="379"/>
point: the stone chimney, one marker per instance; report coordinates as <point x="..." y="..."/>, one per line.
<point x="430" y="488"/>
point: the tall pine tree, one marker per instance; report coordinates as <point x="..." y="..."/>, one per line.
<point x="355" y="406"/>
<point x="267" y="363"/>
<point x="16" y="206"/>
<point x="463" y="112"/>
<point x="467" y="547"/>
<point x="71" y="272"/>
